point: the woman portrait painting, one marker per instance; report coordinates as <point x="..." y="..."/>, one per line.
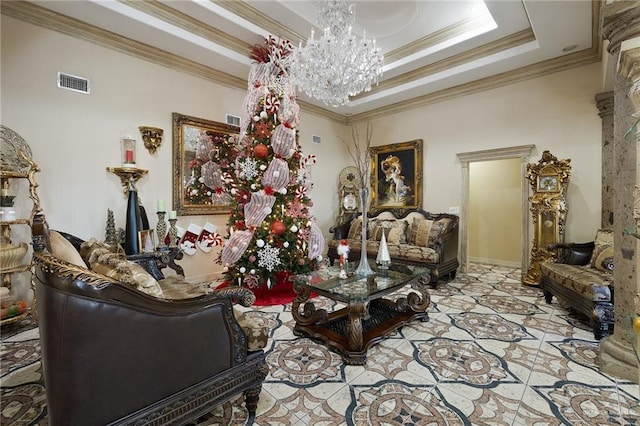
<point x="397" y="181"/>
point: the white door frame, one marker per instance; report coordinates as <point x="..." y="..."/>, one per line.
<point x="523" y="152"/>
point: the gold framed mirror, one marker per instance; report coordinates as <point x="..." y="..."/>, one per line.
<point x="197" y="144"/>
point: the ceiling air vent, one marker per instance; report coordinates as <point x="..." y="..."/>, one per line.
<point x="315" y="139"/>
<point x="72" y="82"/>
<point x="234" y="120"/>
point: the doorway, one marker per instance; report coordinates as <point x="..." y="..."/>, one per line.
<point x="518" y="152"/>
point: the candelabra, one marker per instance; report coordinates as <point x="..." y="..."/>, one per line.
<point x="161" y="229"/>
<point x="173" y="233"/>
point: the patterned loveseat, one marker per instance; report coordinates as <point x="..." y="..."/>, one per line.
<point x="414" y="237"/>
<point x="582" y="279"/>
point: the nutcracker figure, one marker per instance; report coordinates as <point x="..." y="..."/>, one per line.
<point x="343" y="252"/>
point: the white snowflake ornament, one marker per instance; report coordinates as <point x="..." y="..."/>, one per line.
<point x="269" y="257"/>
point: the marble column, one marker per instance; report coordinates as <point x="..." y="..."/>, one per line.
<point x="604" y="102"/>
<point x="622" y="24"/>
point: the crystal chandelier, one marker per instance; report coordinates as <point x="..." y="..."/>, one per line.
<point x="337" y="65"/>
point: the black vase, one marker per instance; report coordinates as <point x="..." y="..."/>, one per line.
<point x="143" y="216"/>
<point x="134" y="223"/>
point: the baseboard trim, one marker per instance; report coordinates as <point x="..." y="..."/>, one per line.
<point x="497" y="262"/>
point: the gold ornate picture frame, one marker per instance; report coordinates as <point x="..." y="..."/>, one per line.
<point x="396" y="176"/>
<point x="190" y="195"/>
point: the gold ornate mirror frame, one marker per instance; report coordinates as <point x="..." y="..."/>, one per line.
<point x="190" y="195"/>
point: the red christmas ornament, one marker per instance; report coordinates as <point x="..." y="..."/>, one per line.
<point x="261" y="150"/>
<point x="278" y="227"/>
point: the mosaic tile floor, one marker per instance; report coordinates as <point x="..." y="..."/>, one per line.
<point x="492" y="353"/>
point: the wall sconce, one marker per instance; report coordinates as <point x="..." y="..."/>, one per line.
<point x="128" y="145"/>
<point x="152" y="138"/>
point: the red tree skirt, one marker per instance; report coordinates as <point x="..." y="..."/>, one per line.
<point x="280" y="293"/>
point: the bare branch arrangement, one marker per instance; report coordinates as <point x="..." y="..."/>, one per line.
<point x="359" y="155"/>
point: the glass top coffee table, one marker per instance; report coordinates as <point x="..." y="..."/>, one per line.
<point x="368" y="317"/>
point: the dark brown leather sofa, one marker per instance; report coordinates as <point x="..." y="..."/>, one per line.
<point x="114" y="355"/>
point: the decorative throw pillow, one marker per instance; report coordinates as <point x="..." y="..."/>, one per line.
<point x="603" y="241"/>
<point x="64" y="250"/>
<point x="438" y="227"/>
<point x="413" y="231"/>
<point x="604" y="261"/>
<point x="88" y="247"/>
<point x="116" y="266"/>
<point x="399" y="228"/>
<point x="397" y="235"/>
<point x="422" y="232"/>
<point x="355" y="230"/>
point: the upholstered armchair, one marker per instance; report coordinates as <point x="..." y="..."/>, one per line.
<point x="113" y="354"/>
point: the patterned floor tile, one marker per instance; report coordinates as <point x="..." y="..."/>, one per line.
<point x="397" y="403"/>
<point x="576" y="403"/>
<point x="480" y="406"/>
<point x="492" y="353"/>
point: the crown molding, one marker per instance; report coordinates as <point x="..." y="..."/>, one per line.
<point x="45" y="18"/>
<point x="539" y="69"/>
<point x="562" y="63"/>
<point x="433" y="39"/>
<point x="187" y="23"/>
<point x="36" y="15"/>
<point x="511" y="41"/>
<point x="243" y="10"/>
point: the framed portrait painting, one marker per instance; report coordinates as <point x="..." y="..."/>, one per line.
<point x="396" y="176"/>
<point x="202" y="150"/>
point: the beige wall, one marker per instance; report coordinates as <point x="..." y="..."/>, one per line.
<point x="495" y="212"/>
<point x="74" y="137"/>
<point x="555" y="112"/>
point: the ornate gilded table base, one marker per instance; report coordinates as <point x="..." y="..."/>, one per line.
<point x="156" y="261"/>
<point x="352" y="330"/>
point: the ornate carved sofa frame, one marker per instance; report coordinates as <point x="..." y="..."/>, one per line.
<point x="436" y="249"/>
<point x="576" y="280"/>
<point x="115" y="355"/>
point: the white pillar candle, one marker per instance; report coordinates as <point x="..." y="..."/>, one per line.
<point x="173" y="214"/>
<point x="161" y="207"/>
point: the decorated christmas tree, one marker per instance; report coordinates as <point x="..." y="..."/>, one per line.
<point x="272" y="231"/>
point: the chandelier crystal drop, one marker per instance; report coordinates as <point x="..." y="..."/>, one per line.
<point x="338" y="64"/>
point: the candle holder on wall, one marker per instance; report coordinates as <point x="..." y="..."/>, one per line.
<point x="128" y="148"/>
<point x="152" y="138"/>
<point x="126" y="175"/>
